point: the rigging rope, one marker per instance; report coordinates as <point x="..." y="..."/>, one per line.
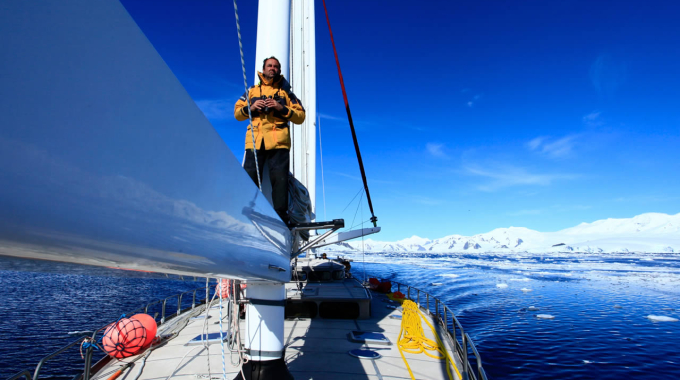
<point x="412" y="338"/>
<point x="245" y="83"/>
<point x="351" y="123"/>
<point x="350" y="202"/>
<point x="355" y="212"/>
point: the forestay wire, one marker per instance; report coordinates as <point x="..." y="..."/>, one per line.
<point x="245" y="83"/>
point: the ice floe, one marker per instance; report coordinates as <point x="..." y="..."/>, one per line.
<point x="436" y="284"/>
<point x="533" y="308"/>
<point x="661" y="318"/>
<point x="451" y="275"/>
<point x="502" y="286"/>
<point x="526" y="290"/>
<point x="545" y="316"/>
<point x="82" y="332"/>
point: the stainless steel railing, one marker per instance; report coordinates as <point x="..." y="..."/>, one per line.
<point x="456" y="334"/>
<point x="88" y="367"/>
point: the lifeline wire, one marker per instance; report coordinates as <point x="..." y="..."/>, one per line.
<point x="245" y="83"/>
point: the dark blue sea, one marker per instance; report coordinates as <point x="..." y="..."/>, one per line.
<point x="599" y="305"/>
<point x="48" y="305"/>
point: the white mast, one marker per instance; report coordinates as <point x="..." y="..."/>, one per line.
<point x="303" y="82"/>
<point x="273" y="29"/>
<point x="265" y="310"/>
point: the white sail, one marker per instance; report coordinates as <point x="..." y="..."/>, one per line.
<point x="106" y="160"/>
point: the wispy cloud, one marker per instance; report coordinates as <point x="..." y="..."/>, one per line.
<point x="331" y="117"/>
<point x="593" y="119"/>
<point x="357" y="178"/>
<point x="535" y="143"/>
<point x="474" y="100"/>
<point x="217" y="109"/>
<point x="553" y="148"/>
<point x="607" y="74"/>
<point x="370" y="180"/>
<point x="509" y="176"/>
<point x="437" y="150"/>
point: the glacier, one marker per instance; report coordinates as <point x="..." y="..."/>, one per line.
<point x="645" y="233"/>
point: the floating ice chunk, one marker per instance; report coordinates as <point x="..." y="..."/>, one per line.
<point x="80" y="332"/>
<point x="587" y="362"/>
<point x="526" y="290"/>
<point x="436" y="284"/>
<point x="502" y="286"/>
<point x="545" y="316"/>
<point x="451" y="275"/>
<point x="533" y="308"/>
<point x="661" y="318"/>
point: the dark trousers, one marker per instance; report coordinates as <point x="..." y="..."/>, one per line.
<point x="279" y="161"/>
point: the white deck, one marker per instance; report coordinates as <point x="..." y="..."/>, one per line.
<point x="316" y="349"/>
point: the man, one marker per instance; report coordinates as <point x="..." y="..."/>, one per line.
<point x="272" y="106"/>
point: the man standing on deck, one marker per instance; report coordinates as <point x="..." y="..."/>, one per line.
<point x="272" y="106"/>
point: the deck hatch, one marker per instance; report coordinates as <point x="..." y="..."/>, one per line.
<point x="364" y="354"/>
<point x="212" y="338"/>
<point x="369" y="337"/>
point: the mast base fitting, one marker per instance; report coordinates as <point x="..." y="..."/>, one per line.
<point x="265" y="370"/>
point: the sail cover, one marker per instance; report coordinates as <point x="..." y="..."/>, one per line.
<point x="106" y="160"/>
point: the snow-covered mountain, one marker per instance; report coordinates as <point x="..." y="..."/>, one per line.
<point x="651" y="232"/>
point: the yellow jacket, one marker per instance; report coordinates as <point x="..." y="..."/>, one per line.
<point x="272" y="126"/>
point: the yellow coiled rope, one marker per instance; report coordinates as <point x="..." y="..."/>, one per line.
<point x="412" y="338"/>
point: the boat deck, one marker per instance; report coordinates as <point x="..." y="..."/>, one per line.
<point x="315" y="349"/>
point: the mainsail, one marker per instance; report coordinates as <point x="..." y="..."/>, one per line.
<point x="106" y="160"/>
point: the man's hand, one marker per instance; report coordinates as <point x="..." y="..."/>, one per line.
<point x="271" y="103"/>
<point x="258" y="105"/>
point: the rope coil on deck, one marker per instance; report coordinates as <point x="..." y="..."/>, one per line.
<point x="412" y="338"/>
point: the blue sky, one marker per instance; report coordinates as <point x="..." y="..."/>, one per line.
<point x="470" y="115"/>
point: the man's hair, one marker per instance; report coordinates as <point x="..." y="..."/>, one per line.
<point x="264" y="63"/>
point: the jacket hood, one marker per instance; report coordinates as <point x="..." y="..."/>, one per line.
<point x="269" y="82"/>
